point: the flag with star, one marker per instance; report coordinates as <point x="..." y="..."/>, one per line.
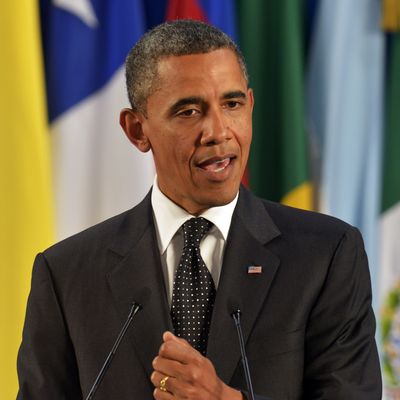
<point x="97" y="173"/>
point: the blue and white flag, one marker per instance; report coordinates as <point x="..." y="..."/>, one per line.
<point x="97" y="172"/>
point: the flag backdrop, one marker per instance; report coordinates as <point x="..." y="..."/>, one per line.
<point x="390" y="228"/>
<point x="97" y="173"/>
<point x="271" y="38"/>
<point x="26" y="220"/>
<point x="345" y="110"/>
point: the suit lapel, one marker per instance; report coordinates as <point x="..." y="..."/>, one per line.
<point x="251" y="230"/>
<point x="138" y="277"/>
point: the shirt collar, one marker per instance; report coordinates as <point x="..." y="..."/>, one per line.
<point x="169" y="217"/>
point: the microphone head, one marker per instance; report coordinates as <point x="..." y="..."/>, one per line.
<point x="236" y="313"/>
<point x="142" y="297"/>
<point x="234" y="308"/>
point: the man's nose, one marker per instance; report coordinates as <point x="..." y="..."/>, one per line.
<point x="215" y="129"/>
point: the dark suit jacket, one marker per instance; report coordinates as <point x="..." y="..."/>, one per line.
<point x="307" y="318"/>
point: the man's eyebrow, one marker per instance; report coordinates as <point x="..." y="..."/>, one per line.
<point x="184" y="102"/>
<point x="234" y="95"/>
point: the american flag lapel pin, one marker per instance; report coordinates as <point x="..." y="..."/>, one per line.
<point x="254" y="269"/>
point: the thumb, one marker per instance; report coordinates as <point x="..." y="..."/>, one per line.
<point x="169" y="336"/>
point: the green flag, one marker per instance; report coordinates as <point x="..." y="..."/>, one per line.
<point x="271" y="38"/>
<point x="390" y="228"/>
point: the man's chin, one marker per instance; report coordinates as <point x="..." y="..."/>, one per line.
<point x="217" y="198"/>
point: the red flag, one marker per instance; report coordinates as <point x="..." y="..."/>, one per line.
<point x="184" y="9"/>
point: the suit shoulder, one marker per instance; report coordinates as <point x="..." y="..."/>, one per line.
<point x="273" y="219"/>
<point x="129" y="224"/>
<point x="93" y="233"/>
<point x="309" y="232"/>
<point x="291" y="219"/>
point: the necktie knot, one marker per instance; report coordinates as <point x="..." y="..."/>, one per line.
<point x="193" y="231"/>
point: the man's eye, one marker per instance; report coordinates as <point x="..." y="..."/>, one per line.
<point x="232" y="104"/>
<point x="188" y="113"/>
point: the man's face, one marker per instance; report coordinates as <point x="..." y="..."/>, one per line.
<point x="199" y="128"/>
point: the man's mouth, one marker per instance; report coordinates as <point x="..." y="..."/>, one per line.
<point x="215" y="164"/>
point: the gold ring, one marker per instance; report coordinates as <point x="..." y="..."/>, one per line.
<point x="163" y="384"/>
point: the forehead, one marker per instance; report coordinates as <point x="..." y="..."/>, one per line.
<point x="199" y="70"/>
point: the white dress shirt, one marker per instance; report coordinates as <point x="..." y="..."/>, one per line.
<point x="168" y="220"/>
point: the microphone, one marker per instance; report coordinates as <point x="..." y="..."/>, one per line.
<point x="132" y="312"/>
<point x="236" y="317"/>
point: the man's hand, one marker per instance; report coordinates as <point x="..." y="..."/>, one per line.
<point x="190" y="375"/>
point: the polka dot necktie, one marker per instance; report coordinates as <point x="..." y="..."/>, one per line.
<point x="193" y="294"/>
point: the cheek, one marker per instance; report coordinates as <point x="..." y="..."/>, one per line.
<point x="243" y="134"/>
<point x="176" y="163"/>
<point x="183" y="151"/>
<point x="247" y="130"/>
<point x="242" y="125"/>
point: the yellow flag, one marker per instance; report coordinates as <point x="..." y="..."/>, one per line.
<point x="300" y="197"/>
<point x="26" y="213"/>
<point x="391" y="15"/>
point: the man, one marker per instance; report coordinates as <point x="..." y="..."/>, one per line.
<point x="300" y="279"/>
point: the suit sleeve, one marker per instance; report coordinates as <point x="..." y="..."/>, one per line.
<point x="341" y="361"/>
<point x="46" y="363"/>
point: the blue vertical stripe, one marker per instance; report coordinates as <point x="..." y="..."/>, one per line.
<point x="221" y="14"/>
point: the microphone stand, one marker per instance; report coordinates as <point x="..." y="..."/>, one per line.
<point x="236" y="317"/>
<point x="134" y="309"/>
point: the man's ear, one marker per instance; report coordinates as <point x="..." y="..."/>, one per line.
<point x="251" y="98"/>
<point x="132" y="124"/>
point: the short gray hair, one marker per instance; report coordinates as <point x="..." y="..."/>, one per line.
<point x="176" y="38"/>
